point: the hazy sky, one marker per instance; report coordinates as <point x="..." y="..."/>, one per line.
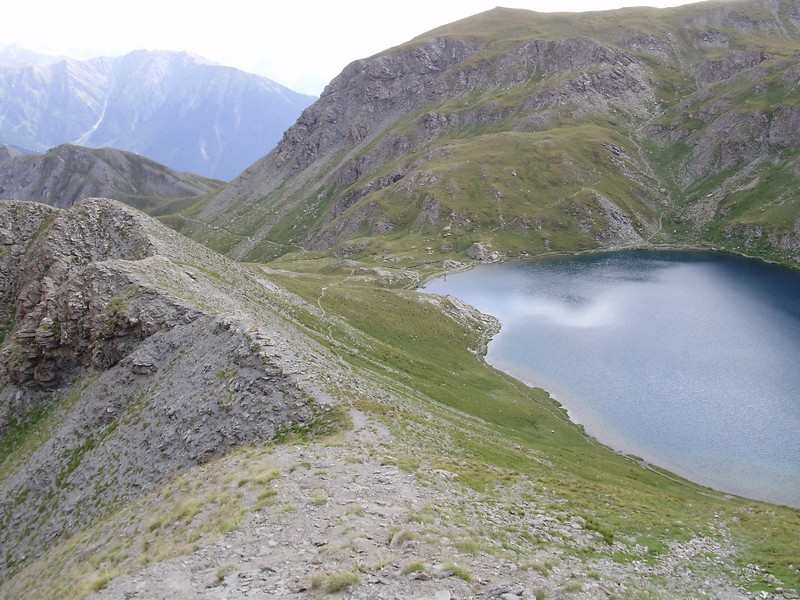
<point x="300" y="44"/>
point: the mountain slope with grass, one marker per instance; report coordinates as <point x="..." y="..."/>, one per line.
<point x="174" y="423"/>
<point x="65" y="174"/>
<point x="177" y="424"/>
<point x="532" y="133"/>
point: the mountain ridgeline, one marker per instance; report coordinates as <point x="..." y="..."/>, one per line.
<point x="521" y="132"/>
<point x="65" y="174"/>
<point x="175" y="108"/>
<point x="111" y="314"/>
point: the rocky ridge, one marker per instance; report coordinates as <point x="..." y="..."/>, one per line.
<point x="137" y="359"/>
<point x="65" y="174"/>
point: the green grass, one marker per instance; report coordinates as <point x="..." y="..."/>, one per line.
<point x="27" y="434"/>
<point x="521" y="191"/>
<point x="341" y="580"/>
<point x="411" y="343"/>
<point x="413" y="567"/>
<point x="459" y="571"/>
<point x="20" y="429"/>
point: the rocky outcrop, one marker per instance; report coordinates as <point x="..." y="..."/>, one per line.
<point x="718" y="68"/>
<point x="20" y="223"/>
<point x="70" y="309"/>
<point x="141" y="358"/>
<point x="369" y="93"/>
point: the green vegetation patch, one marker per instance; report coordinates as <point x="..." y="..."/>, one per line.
<point x="502" y="430"/>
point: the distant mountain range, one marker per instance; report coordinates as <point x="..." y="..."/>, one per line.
<point x="66" y="174"/>
<point x="176" y="108"/>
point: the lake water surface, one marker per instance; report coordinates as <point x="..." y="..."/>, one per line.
<point x="688" y="360"/>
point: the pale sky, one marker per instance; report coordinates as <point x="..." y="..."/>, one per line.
<point x="302" y="45"/>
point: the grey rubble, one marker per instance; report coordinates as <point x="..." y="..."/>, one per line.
<point x="376" y="520"/>
<point x="145" y="357"/>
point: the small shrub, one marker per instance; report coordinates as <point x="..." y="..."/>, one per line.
<point x="266" y="478"/>
<point x="267" y="495"/>
<point x="223" y="572"/>
<point x="102" y="579"/>
<point x="459" y="571"/>
<point x="543" y="568"/>
<point x="467" y="546"/>
<point x="398" y="538"/>
<point x="413" y="567"/>
<point x="317" y="579"/>
<point x="341" y="580"/>
<point x="228" y="524"/>
<point x="154" y="524"/>
<point x="356" y="510"/>
<point x="187" y="510"/>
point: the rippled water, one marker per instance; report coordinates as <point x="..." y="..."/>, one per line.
<point x="689" y="360"/>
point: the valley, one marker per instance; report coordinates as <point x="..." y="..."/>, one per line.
<point x="244" y="394"/>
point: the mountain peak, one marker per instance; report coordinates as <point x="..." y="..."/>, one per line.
<point x="174" y="107"/>
<point x="67" y="173"/>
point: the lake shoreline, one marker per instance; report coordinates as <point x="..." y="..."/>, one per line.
<point x="600" y="251"/>
<point x="595" y="427"/>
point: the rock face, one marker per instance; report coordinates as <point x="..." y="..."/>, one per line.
<point x="70" y="308"/>
<point x="126" y="341"/>
<point x="176" y="108"/>
<point x="65" y="174"/>
<point x="602" y="129"/>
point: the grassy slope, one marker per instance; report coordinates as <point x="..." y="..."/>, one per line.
<point x="547" y="204"/>
<point x="411" y="342"/>
<point x="776" y="180"/>
<point x="428" y="354"/>
<point x="497" y="433"/>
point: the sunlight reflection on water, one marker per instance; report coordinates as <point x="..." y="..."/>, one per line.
<point x="688" y="360"/>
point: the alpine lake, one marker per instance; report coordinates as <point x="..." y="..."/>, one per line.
<point x="688" y="360"/>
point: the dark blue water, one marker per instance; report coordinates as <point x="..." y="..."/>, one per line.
<point x="688" y="360"/>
